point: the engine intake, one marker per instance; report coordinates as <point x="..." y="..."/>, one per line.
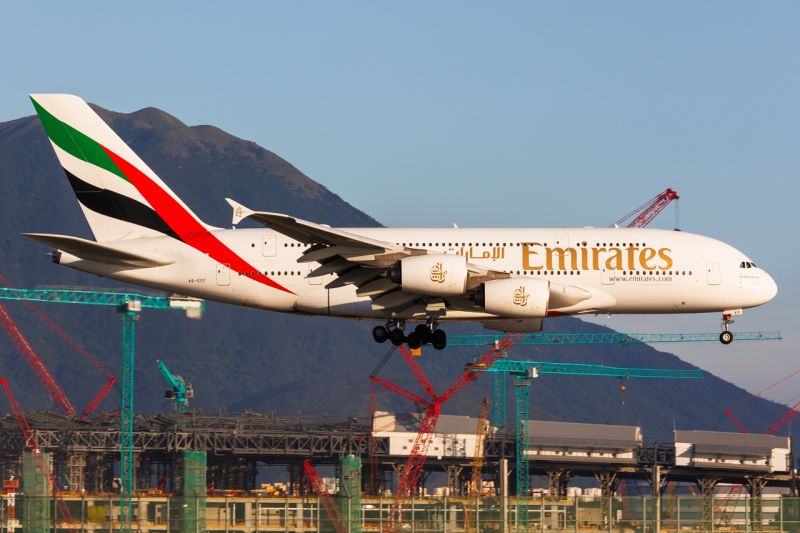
<point x="437" y="275"/>
<point x="514" y="297"/>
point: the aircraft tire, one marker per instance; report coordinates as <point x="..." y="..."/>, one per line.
<point x="439" y="346"/>
<point x="380" y="334"/>
<point x="414" y="340"/>
<point x="397" y="337"/>
<point x="423" y="332"/>
<point x="726" y="337"/>
<point x="439" y="337"/>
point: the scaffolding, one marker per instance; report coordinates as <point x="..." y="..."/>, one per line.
<point x="37" y="501"/>
<point x="188" y="513"/>
<point x="350" y="491"/>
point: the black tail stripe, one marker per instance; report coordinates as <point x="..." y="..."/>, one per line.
<point x="118" y="206"/>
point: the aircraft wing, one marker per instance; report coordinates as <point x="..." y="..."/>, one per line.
<point x="356" y="259"/>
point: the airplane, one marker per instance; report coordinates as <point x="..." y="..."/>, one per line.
<point x="508" y="279"/>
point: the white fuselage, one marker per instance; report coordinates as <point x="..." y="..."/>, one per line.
<point x="626" y="270"/>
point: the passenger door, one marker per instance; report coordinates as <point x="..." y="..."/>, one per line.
<point x="712" y="273"/>
<point x="223" y="274"/>
<point x="269" y="245"/>
<point x="313" y="281"/>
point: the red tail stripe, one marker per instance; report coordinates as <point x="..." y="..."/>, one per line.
<point x="188" y="228"/>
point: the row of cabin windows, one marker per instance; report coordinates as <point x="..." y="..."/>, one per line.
<point x="273" y="273"/>
<point x="624" y="244"/>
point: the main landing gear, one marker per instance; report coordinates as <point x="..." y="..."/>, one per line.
<point x="422" y="334"/>
<point x="726" y="337"/>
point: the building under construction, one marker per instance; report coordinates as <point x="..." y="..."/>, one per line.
<point x="198" y="471"/>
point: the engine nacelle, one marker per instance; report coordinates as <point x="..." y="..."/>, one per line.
<point x="514" y="297"/>
<point x="438" y="275"/>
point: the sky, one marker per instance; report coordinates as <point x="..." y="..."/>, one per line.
<point x="514" y="114"/>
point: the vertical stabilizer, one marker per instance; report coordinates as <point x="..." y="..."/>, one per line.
<point x="121" y="197"/>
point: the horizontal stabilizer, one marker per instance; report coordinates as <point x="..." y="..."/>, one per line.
<point x="92" y="251"/>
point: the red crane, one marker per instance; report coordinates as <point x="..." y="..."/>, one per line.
<point x="649" y="210"/>
<point x="46" y="378"/>
<point x="416" y="459"/>
<point x="325" y="497"/>
<point x="37" y="454"/>
<point x="36" y="362"/>
<point x="774" y="428"/>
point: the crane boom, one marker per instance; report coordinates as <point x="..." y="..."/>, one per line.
<point x="334" y="514"/>
<point x="30" y="440"/>
<point x="36" y="363"/>
<point x="649" y="210"/>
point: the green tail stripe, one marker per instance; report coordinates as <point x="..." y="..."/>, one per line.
<point x="76" y="143"/>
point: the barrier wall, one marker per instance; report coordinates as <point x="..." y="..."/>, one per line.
<point x="428" y="515"/>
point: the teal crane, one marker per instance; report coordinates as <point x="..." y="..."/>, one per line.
<point x="180" y="389"/>
<point x="523" y="372"/>
<point x="624" y="339"/>
<point x="129" y="305"/>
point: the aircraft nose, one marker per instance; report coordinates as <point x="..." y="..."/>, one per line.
<point x="768" y="287"/>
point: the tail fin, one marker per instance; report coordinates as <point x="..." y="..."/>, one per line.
<point x="119" y="194"/>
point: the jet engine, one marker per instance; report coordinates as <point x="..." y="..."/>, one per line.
<point x="514" y="297"/>
<point x="438" y="275"/>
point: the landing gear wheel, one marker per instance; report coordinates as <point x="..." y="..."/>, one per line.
<point x="726" y="337"/>
<point x="414" y="340"/>
<point x="380" y="334"/>
<point x="397" y="337"/>
<point x="423" y="333"/>
<point x="439" y="339"/>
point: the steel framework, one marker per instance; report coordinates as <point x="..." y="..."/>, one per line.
<point x="129" y="304"/>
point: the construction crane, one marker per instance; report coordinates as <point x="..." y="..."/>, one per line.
<point x="524" y="371"/>
<point x="30" y="440"/>
<point x="480" y="440"/>
<point x="36" y="363"/>
<point x="470" y="511"/>
<point x="180" y="389"/>
<point x="318" y="486"/>
<point x="129" y="305"/>
<point x="650" y="210"/>
<point x="624" y="339"/>
<point x="101" y="394"/>
<point x="416" y="459"/>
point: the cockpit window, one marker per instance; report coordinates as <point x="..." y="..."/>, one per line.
<point x="754" y="265"/>
<point x="749" y="265"/>
<point x="742" y="265"/>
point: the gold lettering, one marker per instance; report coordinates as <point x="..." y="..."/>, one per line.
<point x="584" y="259"/>
<point x="561" y="253"/>
<point x="526" y="257"/>
<point x="663" y="255"/>
<point x="646" y="255"/>
<point x="617" y="258"/>
<point x="631" y="263"/>
<point x="596" y="257"/>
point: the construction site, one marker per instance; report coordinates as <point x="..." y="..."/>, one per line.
<point x="191" y="471"/>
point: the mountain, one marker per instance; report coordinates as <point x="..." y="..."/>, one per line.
<point x="241" y="359"/>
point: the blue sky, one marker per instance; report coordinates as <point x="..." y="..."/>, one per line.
<point x="483" y="114"/>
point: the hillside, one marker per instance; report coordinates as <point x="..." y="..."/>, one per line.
<point x="242" y="359"/>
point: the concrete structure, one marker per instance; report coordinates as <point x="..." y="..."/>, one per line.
<point x="712" y="449"/>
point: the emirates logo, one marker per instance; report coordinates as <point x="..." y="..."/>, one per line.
<point x="438" y="273"/>
<point x="520" y="298"/>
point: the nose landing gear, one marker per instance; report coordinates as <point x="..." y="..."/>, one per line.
<point x="726" y="337"/>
